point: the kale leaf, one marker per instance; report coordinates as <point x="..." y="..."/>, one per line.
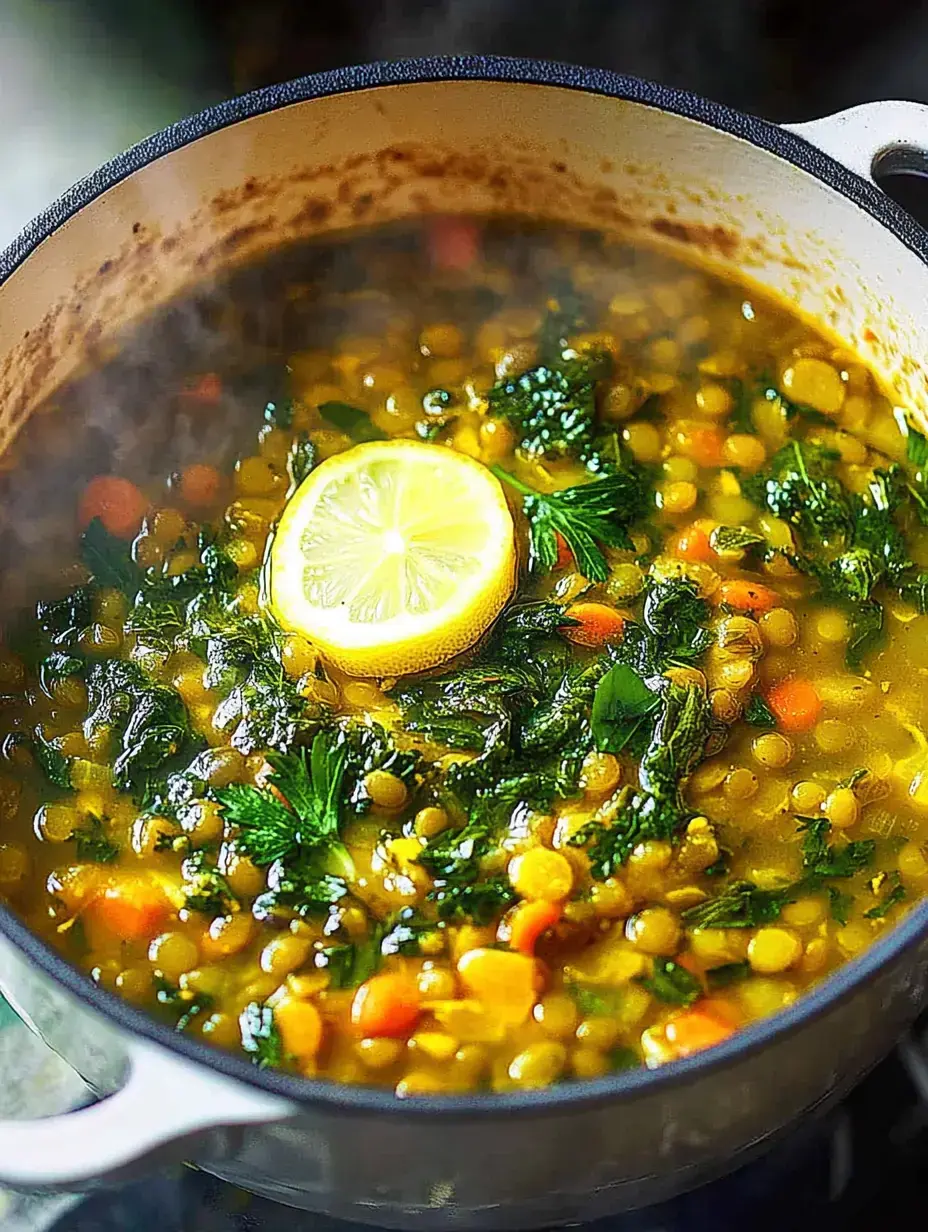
<point x="51" y="761"/>
<point x="109" y="559"/>
<point x="622" y="706"/>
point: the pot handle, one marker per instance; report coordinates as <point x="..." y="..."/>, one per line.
<point x="166" y="1111"/>
<point x="862" y="135"/>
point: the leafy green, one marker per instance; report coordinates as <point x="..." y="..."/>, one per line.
<point x="622" y="705"/>
<point x="758" y="713"/>
<point x="596" y="1000"/>
<point x="658" y="811"/>
<point x="149" y="722"/>
<point x="822" y="859"/>
<point x="585" y="517"/>
<point x="369" y="747"/>
<point x="58" y="666"/>
<point x="866" y="633"/>
<point x="63" y="620"/>
<point x="260" y="1036"/>
<point x="162" y="605"/>
<point x="895" y="894"/>
<point x="351" y="964"/>
<point x="93" y="843"/>
<point x="731" y="539"/>
<point x="51" y="761"/>
<point x="839" y="904"/>
<point x="186" y="1005"/>
<point x="742" y="904"/>
<point x="553" y="408"/>
<point x="301" y="459"/>
<point x="567" y="314"/>
<point x="205" y="888"/>
<point x="672" y="983"/>
<point x="727" y="974"/>
<point x="108" y="559"/>
<point x="298" y="889"/>
<point x="799" y="487"/>
<point x="352" y="421"/>
<point x="673" y="630"/>
<point x="309" y="823"/>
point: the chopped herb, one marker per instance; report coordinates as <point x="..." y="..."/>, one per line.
<point x="351" y="964"/>
<point x="624" y="1057"/>
<point x="58" y="666"/>
<point x="758" y="713"/>
<point x="369" y="747"/>
<point x="596" y="1000"/>
<point x="309" y="823"/>
<point x="822" y="859"/>
<point x="672" y="983"/>
<point x="300" y="460"/>
<point x="742" y="904"/>
<point x="866" y="633"/>
<point x="205" y="888"/>
<point x="839" y="904"/>
<point x="51" y="761"/>
<point x="727" y="974"/>
<point x="187" y="1004"/>
<point x="352" y="421"/>
<point x="260" y="1036"/>
<point x="585" y="516"/>
<point x="896" y="894"/>
<point x="63" y="620"/>
<point x="93" y="843"/>
<point x="553" y="408"/>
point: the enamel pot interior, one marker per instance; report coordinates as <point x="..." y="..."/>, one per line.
<point x="360" y="148"/>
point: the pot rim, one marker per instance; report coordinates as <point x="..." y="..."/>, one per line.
<point x="491" y="69"/>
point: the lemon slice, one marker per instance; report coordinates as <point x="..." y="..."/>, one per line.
<point x="392" y="557"/>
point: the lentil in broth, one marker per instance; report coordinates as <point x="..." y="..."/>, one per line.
<point x="683" y="776"/>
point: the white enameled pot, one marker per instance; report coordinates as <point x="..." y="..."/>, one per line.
<point x="794" y="210"/>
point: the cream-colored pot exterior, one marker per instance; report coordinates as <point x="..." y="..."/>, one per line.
<point x="567" y="151"/>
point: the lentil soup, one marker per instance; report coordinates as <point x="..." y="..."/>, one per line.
<point x="678" y="774"/>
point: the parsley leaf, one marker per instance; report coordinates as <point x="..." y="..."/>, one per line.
<point x="758" y="713"/>
<point x="351" y="964"/>
<point x="205" y="888"/>
<point x="310" y="820"/>
<point x="93" y="843"/>
<point x="585" y="516"/>
<point x="822" y="859"/>
<point x="260" y="1036"/>
<point x="672" y="983"/>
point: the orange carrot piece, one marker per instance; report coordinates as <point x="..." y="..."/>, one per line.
<point x="597" y="623"/>
<point x="695" y="1030"/>
<point x="528" y="921"/>
<point x="693" y="544"/>
<point x="747" y="596"/>
<point x="132" y="911"/>
<point x="117" y="502"/>
<point x="795" y="704"/>
<point x="704" y="446"/>
<point x="199" y="486"/>
<point x="453" y="243"/>
<point x="386" y="1004"/>
<point x="565" y="556"/>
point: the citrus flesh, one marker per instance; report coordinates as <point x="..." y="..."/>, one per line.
<point x="393" y="557"/>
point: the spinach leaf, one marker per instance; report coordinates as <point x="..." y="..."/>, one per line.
<point x="822" y="859"/>
<point x="352" y="421"/>
<point x="622" y="704"/>
<point x="729" y="540"/>
<point x="58" y="666"/>
<point x="839" y="904"/>
<point x="300" y="460"/>
<point x="93" y="843"/>
<point x="895" y="894"/>
<point x="866" y="633"/>
<point x="369" y="747"/>
<point x="298" y="889"/>
<point x="51" y="761"/>
<point x="727" y="974"/>
<point x="108" y="559"/>
<point x="63" y="620"/>
<point x="553" y="408"/>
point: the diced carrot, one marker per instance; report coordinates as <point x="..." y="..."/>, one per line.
<point x="117" y="502"/>
<point x="693" y="544"/>
<point x="565" y="556"/>
<point x="597" y="623"/>
<point x="386" y="1004"/>
<point x="199" y="486"/>
<point x="704" y="446"/>
<point x="206" y="389"/>
<point x="695" y="1030"/>
<point x="131" y="910"/>
<point x="453" y="243"/>
<point x="528" y="921"/>
<point x="795" y="704"/>
<point x="747" y="596"/>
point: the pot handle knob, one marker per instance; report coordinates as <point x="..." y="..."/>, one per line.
<point x="167" y="1110"/>
<point x="861" y="137"/>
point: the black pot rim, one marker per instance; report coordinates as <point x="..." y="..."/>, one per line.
<point x="758" y="132"/>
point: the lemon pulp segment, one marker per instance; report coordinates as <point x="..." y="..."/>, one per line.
<point x="393" y="556"/>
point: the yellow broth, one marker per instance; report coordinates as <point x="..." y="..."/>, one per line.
<point x="808" y="794"/>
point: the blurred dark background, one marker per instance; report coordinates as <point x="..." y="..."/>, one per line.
<point x="82" y="79"/>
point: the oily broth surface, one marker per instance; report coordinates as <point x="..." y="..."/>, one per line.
<point x="373" y="323"/>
